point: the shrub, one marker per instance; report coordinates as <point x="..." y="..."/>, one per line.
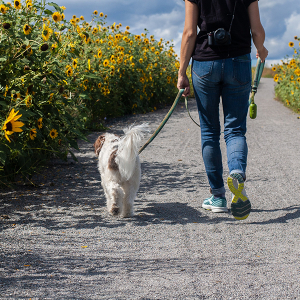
<point x="59" y="78"/>
<point x="287" y="77"/>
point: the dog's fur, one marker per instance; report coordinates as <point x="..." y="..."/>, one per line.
<point x="119" y="167"/>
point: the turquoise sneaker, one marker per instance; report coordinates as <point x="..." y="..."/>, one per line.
<point x="240" y="204"/>
<point x="215" y="204"/>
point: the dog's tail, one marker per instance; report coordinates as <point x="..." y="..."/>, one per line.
<point x="128" y="149"/>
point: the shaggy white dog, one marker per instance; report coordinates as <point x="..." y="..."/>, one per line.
<point x="120" y="169"/>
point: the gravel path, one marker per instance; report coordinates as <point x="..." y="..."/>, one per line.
<point x="58" y="241"/>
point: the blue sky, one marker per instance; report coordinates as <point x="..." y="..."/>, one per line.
<point x="165" y="19"/>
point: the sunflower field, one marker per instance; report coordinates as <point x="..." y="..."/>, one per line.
<point x="60" y="78"/>
<point x="287" y="76"/>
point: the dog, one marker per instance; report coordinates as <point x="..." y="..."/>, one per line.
<point x="120" y="168"/>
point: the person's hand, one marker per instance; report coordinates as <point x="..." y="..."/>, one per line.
<point x="183" y="83"/>
<point x="262" y="53"/>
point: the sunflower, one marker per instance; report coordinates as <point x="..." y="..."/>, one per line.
<point x="99" y="53"/>
<point x="75" y="62"/>
<point x="11" y="124"/>
<point x="95" y="12"/>
<point x="15" y="96"/>
<point x="54" y="46"/>
<point x="291" y="44"/>
<point x="81" y="18"/>
<point x="276" y="77"/>
<point x="53" y="133"/>
<point x="99" y="85"/>
<point x="73" y="22"/>
<point x="56" y="17"/>
<point x="28" y="101"/>
<point x="3" y="9"/>
<point x="40" y="123"/>
<point x="17" y="4"/>
<point x="27" y="29"/>
<point x="106" y="63"/>
<point x="69" y="71"/>
<point x="32" y="134"/>
<point x="46" y="32"/>
<point x="101" y="14"/>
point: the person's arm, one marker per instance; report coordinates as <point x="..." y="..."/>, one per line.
<point x="187" y="45"/>
<point x="257" y="31"/>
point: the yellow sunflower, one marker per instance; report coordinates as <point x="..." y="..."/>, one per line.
<point x="17" y="4"/>
<point x="99" y="53"/>
<point x="106" y="63"/>
<point x="32" y="134"/>
<point x="291" y="44"/>
<point x="274" y="69"/>
<point x="53" y="134"/>
<point x="15" y="96"/>
<point x="56" y="17"/>
<point x="11" y="124"/>
<point x="46" y="32"/>
<point x="75" y="62"/>
<point x="95" y="12"/>
<point x="40" y="123"/>
<point x="69" y="71"/>
<point x="3" y="9"/>
<point x="101" y="14"/>
<point x="27" y="29"/>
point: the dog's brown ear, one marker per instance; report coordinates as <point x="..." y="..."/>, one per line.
<point x="98" y="144"/>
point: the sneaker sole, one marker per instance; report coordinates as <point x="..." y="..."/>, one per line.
<point x="215" y="209"/>
<point x="240" y="204"/>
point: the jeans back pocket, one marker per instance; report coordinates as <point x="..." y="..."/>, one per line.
<point x="202" y="68"/>
<point x="242" y="68"/>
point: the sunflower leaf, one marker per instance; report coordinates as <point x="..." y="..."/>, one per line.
<point x="48" y="12"/>
<point x="55" y="6"/>
<point x="73" y="156"/>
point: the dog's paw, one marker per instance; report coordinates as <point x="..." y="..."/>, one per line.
<point x="127" y="214"/>
<point x="114" y="210"/>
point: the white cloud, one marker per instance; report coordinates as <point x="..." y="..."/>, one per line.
<point x="278" y="45"/>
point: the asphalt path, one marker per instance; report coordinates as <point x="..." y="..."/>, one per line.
<point x="59" y="242"/>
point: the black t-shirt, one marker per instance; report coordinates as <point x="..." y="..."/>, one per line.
<point x="215" y="14"/>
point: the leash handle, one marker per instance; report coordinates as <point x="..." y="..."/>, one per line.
<point x="257" y="76"/>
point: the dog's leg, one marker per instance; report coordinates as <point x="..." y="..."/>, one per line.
<point x="130" y="190"/>
<point x="114" y="200"/>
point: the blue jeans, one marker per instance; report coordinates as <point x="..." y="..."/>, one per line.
<point x="229" y="79"/>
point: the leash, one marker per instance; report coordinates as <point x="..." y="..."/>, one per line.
<point x="253" y="107"/>
<point x="258" y="72"/>
<point x="164" y="121"/>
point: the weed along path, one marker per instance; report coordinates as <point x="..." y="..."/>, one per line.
<point x="58" y="241"/>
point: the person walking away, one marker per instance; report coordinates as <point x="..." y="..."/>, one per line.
<point x="221" y="69"/>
